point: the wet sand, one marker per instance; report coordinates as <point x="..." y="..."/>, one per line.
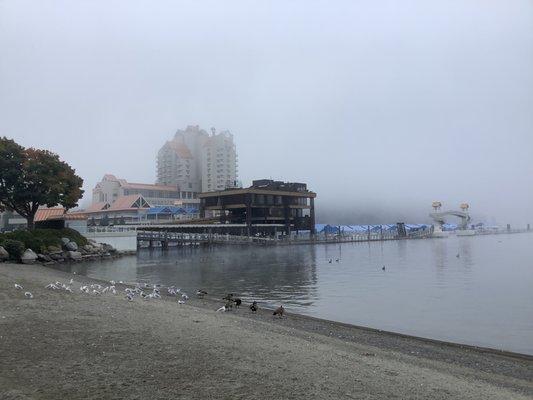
<point x="79" y="346"/>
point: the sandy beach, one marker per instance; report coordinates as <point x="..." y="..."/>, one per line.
<point x="80" y="346"/>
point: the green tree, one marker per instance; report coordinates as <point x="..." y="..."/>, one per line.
<point x="30" y="178"/>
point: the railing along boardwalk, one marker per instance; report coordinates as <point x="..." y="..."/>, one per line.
<point x="164" y="239"/>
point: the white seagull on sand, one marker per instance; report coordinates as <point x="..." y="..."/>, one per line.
<point x="28" y="295"/>
<point x="18" y="287"/>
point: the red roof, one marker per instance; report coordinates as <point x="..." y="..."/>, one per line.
<point x="180" y="149"/>
<point x="43" y="214"/>
<point x="95" y="207"/>
<point x="126" y="203"/>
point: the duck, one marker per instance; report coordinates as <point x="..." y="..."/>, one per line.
<point x="254" y="307"/>
<point x="279" y="311"/>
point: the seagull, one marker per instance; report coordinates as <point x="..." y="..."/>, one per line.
<point x="279" y="311"/>
<point x="336" y="260"/>
<point x="383" y="268"/>
<point x="184" y="297"/>
<point x="96" y="292"/>
<point x="112" y="283"/>
<point x="71" y="281"/>
<point x="129" y="296"/>
<point x="18" y="287"/>
<point x="254" y="307"/>
<point x="181" y="302"/>
<point x="28" y="295"/>
<point x="201" y="293"/>
<point x="51" y="286"/>
<point x="457" y="255"/>
<point x="330" y="261"/>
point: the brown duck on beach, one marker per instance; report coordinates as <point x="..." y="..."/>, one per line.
<point x="279" y="311"/>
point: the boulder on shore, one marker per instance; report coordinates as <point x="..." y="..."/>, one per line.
<point x="71" y="246"/>
<point x="43" y="258"/>
<point x="28" y="257"/>
<point x="74" y="255"/>
<point x="65" y="240"/>
<point x="54" y="249"/>
<point x="4" y="255"/>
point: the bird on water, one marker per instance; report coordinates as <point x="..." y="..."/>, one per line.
<point x="383" y="268"/>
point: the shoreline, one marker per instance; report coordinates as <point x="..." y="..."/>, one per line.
<point x="245" y="340"/>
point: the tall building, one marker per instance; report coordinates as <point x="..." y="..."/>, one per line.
<point x="197" y="161"/>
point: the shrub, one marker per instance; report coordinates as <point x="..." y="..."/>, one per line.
<point x="40" y="239"/>
<point x="15" y="248"/>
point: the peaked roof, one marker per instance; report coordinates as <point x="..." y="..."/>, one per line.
<point x="131" y="202"/>
<point x="102" y="205"/>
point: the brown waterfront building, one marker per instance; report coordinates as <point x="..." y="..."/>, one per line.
<point x="265" y="202"/>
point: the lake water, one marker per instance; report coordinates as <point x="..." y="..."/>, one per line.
<point x="473" y="290"/>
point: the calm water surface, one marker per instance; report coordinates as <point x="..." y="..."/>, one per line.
<point x="483" y="297"/>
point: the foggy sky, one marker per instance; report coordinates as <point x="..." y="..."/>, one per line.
<point x="380" y="106"/>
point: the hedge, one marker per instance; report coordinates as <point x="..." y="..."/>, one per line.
<point x="39" y="239"/>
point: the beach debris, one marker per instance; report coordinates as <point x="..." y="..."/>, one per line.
<point x="18" y="287"/>
<point x="279" y="311"/>
<point x="51" y="286"/>
<point x="28" y="295"/>
<point x="254" y="307"/>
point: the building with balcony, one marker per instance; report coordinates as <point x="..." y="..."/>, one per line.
<point x="290" y="205"/>
<point x="110" y="189"/>
<point x="197" y="161"/>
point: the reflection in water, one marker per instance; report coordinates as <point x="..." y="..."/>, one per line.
<point x="482" y="297"/>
